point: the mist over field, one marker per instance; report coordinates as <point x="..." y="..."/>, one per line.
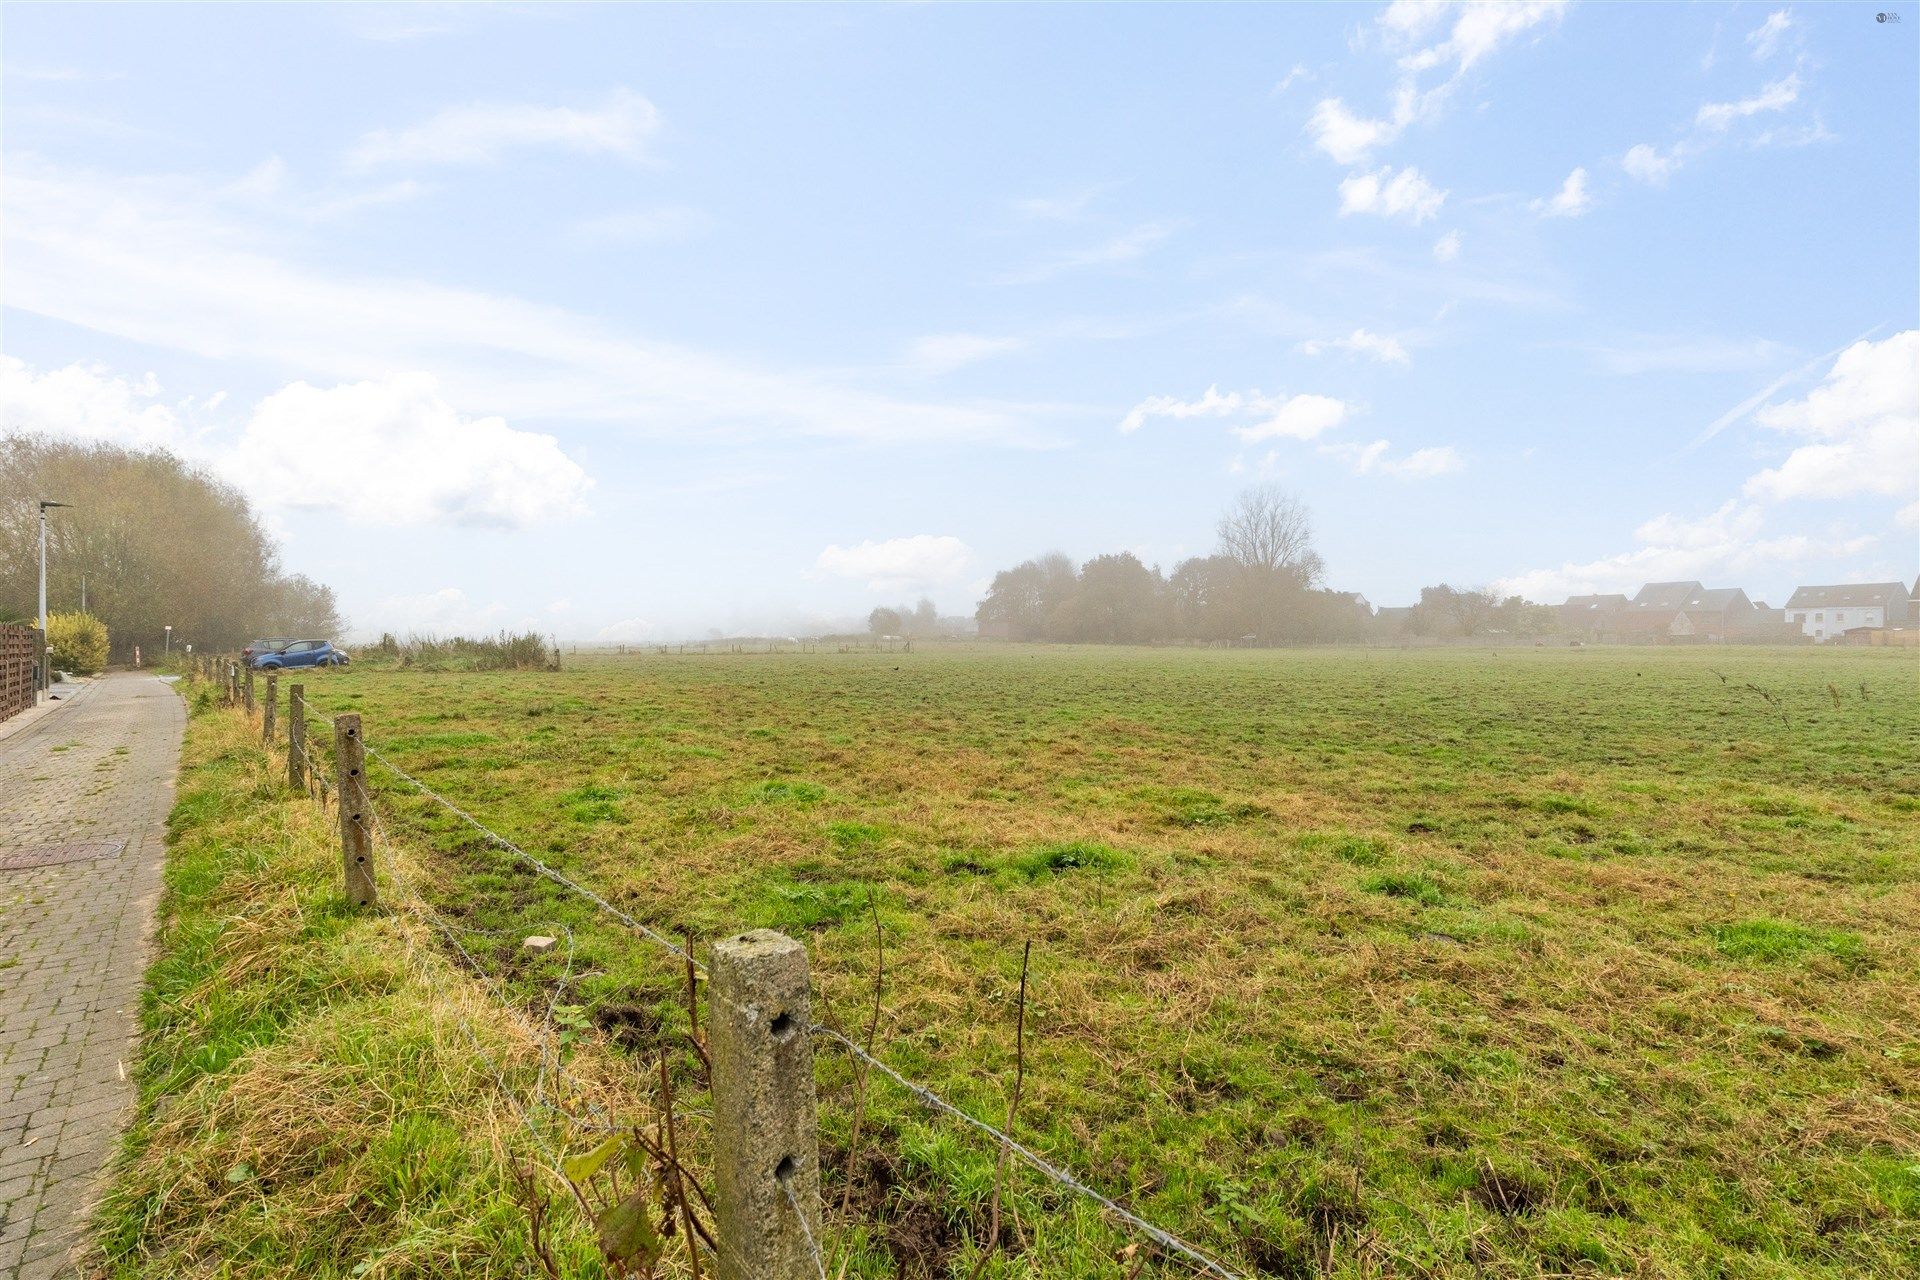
<point x="960" y="642"/>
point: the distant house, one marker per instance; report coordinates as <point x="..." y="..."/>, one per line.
<point x="1664" y="595"/>
<point x="1827" y="613"/>
<point x="1687" y="610"/>
<point x="1592" y="616"/>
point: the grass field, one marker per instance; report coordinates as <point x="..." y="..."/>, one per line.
<point x="1347" y="962"/>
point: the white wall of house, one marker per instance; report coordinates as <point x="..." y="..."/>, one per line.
<point x="1831" y="623"/>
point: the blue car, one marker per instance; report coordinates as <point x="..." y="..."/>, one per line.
<point x="301" y="653"/>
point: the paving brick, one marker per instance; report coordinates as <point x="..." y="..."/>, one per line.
<point x="78" y="935"/>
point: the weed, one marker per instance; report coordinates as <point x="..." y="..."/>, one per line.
<point x="1078" y="855"/>
<point x="1416" y="887"/>
<point x="785" y="791"/>
<point x="1782" y="942"/>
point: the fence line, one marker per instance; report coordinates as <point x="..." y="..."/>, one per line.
<point x="1167" y="1240"/>
<point x="652" y="935"/>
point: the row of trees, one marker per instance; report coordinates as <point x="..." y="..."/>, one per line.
<point x="156" y="541"/>
<point x="917" y="621"/>
<point x="1446" y="612"/>
<point x="1262" y="585"/>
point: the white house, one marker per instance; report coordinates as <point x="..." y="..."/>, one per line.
<point x="1827" y="613"/>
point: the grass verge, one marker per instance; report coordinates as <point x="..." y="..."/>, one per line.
<point x="313" y="1100"/>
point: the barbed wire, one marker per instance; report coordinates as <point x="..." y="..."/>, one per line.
<point x="806" y="1232"/>
<point x="493" y="1069"/>
<point x="925" y="1095"/>
<point x="550" y="1053"/>
<point x="560" y="878"/>
<point x="316" y="712"/>
<point x="1165" y="1239"/>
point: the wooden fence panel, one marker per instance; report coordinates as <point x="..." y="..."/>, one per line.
<point x="17" y="645"/>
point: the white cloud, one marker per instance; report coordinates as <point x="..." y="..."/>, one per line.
<point x="1360" y="342"/>
<point x="1349" y="138"/>
<point x="1375" y="458"/>
<point x="1765" y="38"/>
<point x="1413" y="19"/>
<point x="639" y="226"/>
<point x="1777" y="96"/>
<point x="1214" y="404"/>
<point x="482" y="132"/>
<point x="1862" y="425"/>
<point x="162" y="262"/>
<point x="1725" y="544"/>
<point x="1405" y="194"/>
<point x="1862" y="428"/>
<point x="89" y="402"/>
<point x="1712" y="125"/>
<point x="1480" y="28"/>
<point x="921" y="562"/>
<point x="945" y="352"/>
<point x="1572" y="200"/>
<point x="1262" y="416"/>
<point x="1649" y="164"/>
<point x="393" y="452"/>
<point x="1447" y="247"/>
<point x="1126" y="246"/>
<point x="1298" y="72"/>
<point x="1300" y="417"/>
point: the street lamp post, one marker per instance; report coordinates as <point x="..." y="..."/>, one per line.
<point x="45" y="673"/>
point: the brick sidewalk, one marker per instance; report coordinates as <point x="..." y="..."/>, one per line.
<point x="92" y="780"/>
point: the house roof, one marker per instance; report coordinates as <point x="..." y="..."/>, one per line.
<point x="1848" y="595"/>
<point x="1594" y="604"/>
<point x="1394" y="612"/>
<point x="1717" y="600"/>
<point x="1665" y="595"/>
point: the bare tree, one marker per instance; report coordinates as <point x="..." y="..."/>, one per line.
<point x="1269" y="529"/>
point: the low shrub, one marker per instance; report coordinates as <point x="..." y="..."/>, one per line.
<point x="79" y="642"/>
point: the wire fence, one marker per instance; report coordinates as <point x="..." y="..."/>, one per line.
<point x="931" y="1099"/>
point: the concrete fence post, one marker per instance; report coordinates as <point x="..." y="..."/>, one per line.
<point x="297" y="737"/>
<point x="273" y="704"/>
<point x="356" y="811"/>
<point x="766" y="1146"/>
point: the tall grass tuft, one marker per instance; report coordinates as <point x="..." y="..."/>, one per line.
<point x="508" y="651"/>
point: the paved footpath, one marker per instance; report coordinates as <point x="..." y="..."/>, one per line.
<point x="84" y="793"/>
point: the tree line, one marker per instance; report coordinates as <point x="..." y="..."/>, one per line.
<point x="157" y="541"/>
<point x="1263" y="584"/>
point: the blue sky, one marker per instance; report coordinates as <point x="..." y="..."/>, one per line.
<point x="627" y="322"/>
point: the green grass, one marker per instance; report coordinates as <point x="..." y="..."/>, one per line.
<point x="309" y="1102"/>
<point x="1781" y="941"/>
<point x="1449" y="963"/>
